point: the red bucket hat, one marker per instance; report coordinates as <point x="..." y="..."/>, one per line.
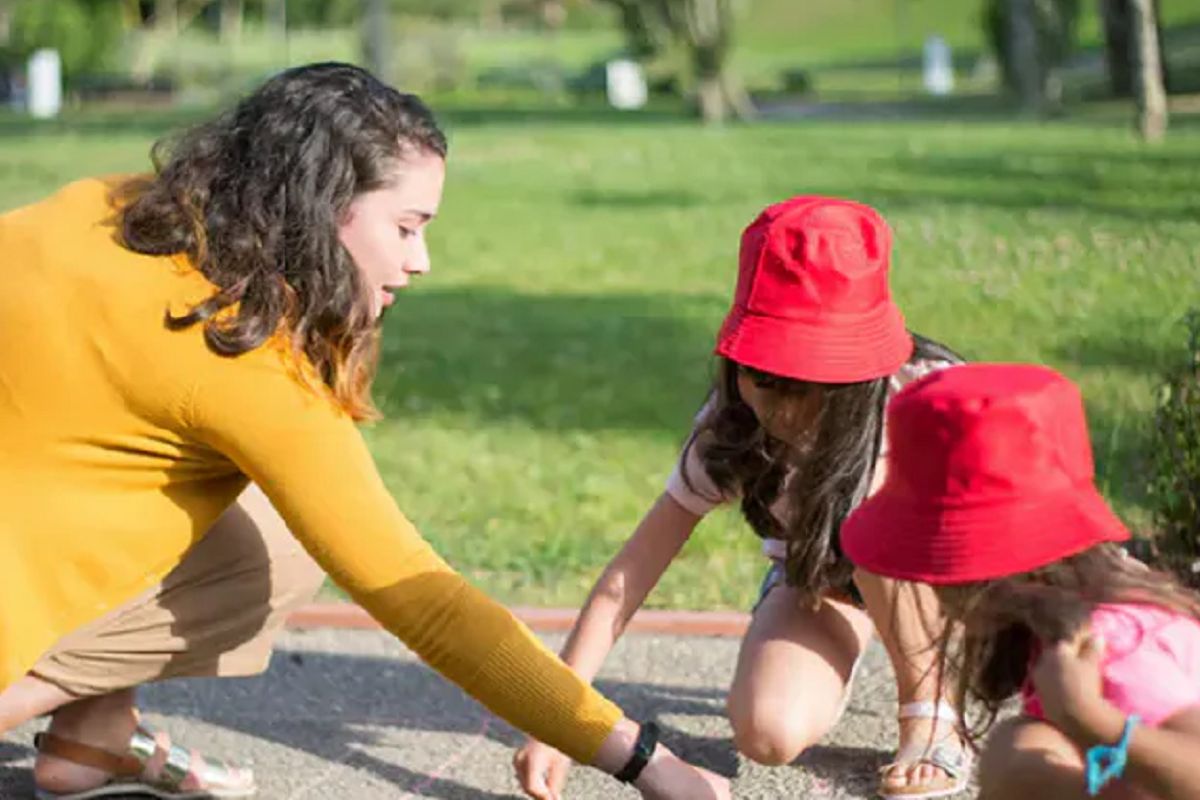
<point x="989" y="474"/>
<point x="812" y="299"/>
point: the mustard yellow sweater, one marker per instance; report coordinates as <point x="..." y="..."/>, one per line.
<point x="121" y="442"/>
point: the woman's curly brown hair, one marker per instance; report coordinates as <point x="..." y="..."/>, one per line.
<point x="253" y="199"/>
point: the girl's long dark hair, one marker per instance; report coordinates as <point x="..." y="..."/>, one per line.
<point x="253" y="199"/>
<point x="833" y="462"/>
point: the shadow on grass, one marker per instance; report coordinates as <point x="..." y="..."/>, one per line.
<point x="641" y="363"/>
<point x="583" y="113"/>
<point x="635" y="199"/>
<point x="584" y="362"/>
<point x="1020" y="181"/>
<point x="1128" y="345"/>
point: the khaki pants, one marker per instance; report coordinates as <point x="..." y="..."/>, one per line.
<point x="214" y="615"/>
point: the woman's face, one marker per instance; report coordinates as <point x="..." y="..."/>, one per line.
<point x="384" y="229"/>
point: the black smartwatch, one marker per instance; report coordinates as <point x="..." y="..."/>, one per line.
<point x="643" y="749"/>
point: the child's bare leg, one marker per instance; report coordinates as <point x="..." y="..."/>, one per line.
<point x="908" y="618"/>
<point x="792" y="673"/>
<point x="1029" y="760"/>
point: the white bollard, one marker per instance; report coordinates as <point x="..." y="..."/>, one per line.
<point x="938" y="67"/>
<point x="45" y="84"/>
<point x="627" y="88"/>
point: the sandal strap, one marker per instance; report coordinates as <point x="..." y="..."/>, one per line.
<point x="180" y="763"/>
<point x="928" y="709"/>
<point x="953" y="761"/>
<point x="85" y="755"/>
<point x="175" y="768"/>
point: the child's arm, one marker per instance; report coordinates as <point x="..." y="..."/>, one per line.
<point x="1164" y="761"/>
<point x="620" y="591"/>
<point x="625" y="583"/>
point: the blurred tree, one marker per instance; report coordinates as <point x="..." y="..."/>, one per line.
<point x="323" y="13"/>
<point x="1032" y="40"/>
<point x="1118" y="45"/>
<point x="232" y="14"/>
<point x="5" y="22"/>
<point x="1149" y="90"/>
<point x="375" y="35"/>
<point x="275" y="13"/>
<point x="84" y="32"/>
<point x="646" y="35"/>
<point x="705" y="29"/>
<point x="166" y="15"/>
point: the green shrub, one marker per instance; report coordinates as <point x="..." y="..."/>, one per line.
<point x="1175" y="482"/>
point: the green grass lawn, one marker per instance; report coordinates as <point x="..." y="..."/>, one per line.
<point x="538" y="383"/>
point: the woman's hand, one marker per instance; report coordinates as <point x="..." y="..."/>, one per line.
<point x="541" y="770"/>
<point x="668" y="777"/>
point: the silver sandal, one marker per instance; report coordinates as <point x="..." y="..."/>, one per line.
<point x="180" y="774"/>
<point x="954" y="761"/>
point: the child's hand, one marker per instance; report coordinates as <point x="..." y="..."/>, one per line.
<point x="541" y="770"/>
<point x="1068" y="681"/>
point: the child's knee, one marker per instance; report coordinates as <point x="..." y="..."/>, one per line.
<point x="769" y="735"/>
<point x="1026" y="760"/>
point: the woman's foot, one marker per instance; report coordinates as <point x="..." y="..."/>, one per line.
<point x="105" y="722"/>
<point x="96" y="742"/>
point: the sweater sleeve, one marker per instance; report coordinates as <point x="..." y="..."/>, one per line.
<point x="313" y="464"/>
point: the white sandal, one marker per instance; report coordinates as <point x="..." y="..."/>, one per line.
<point x="955" y="761"/>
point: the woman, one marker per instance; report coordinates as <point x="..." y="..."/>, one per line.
<point x="809" y="354"/>
<point x="166" y="339"/>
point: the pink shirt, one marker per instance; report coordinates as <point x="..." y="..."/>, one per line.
<point x="705" y="496"/>
<point x="1151" y="665"/>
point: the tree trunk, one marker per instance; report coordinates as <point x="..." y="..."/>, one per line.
<point x="375" y="37"/>
<point x="707" y="28"/>
<point x="1118" y="45"/>
<point x="737" y="98"/>
<point x="232" y="13"/>
<point x="490" y="17"/>
<point x="1029" y="70"/>
<point x="1118" y="49"/>
<point x="5" y="22"/>
<point x="710" y="100"/>
<point x="643" y="24"/>
<point x="166" y="16"/>
<point x="276" y="14"/>
<point x="1149" y="92"/>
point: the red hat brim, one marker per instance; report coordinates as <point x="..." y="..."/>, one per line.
<point x="824" y="350"/>
<point x="892" y="536"/>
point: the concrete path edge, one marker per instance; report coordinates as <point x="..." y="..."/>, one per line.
<point x="544" y="620"/>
